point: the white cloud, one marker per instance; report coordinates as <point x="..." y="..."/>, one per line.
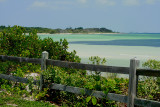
<point x="3" y="0"/>
<point x="39" y="4"/>
<point x="131" y="2"/>
<point x="51" y="5"/>
<point x="107" y="2"/>
<point x="150" y="1"/>
<point x="82" y="1"/>
<point x="68" y="4"/>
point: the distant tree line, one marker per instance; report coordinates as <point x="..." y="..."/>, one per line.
<point x="67" y="30"/>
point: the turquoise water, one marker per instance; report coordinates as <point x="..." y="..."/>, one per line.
<point x="99" y="37"/>
<point x="118" y="49"/>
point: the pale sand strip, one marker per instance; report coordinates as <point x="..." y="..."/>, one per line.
<point x="77" y="33"/>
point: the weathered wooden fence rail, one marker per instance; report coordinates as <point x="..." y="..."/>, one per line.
<point x="132" y="71"/>
<point x="102" y="68"/>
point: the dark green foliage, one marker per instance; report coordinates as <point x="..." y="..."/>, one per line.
<point x="78" y="79"/>
<point x="152" y="64"/>
<point x="14" y="42"/>
<point x="11" y="101"/>
<point x="151" y="85"/>
<point x="67" y="30"/>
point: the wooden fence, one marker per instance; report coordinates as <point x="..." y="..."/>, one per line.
<point x="132" y="71"/>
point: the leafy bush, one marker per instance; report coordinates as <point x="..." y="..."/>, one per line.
<point x="149" y="87"/>
<point x="77" y="79"/>
<point x="14" y="42"/>
<point x="152" y="64"/>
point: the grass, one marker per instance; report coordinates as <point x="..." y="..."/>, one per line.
<point x="10" y="101"/>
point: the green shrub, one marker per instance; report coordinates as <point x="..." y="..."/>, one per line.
<point x="152" y="64"/>
<point x="149" y="87"/>
<point x="14" y="42"/>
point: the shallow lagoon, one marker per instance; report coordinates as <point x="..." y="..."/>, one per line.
<point x="118" y="49"/>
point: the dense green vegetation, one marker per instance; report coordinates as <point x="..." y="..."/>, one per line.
<point x="11" y="101"/>
<point x="67" y="30"/>
<point x="14" y="42"/>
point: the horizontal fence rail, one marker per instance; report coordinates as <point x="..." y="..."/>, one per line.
<point x="132" y="71"/>
<point x="146" y="103"/>
<point x="148" y="72"/>
<point x="17" y="79"/>
<point x="101" y="94"/>
<point x="20" y="59"/>
<point x="101" y="68"/>
<point x="83" y="91"/>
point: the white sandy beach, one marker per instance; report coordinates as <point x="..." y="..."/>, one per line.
<point x="118" y="49"/>
<point x="76" y="33"/>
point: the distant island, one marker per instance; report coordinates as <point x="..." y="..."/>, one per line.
<point x="67" y="30"/>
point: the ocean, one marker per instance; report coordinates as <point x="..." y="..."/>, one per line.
<point x="118" y="49"/>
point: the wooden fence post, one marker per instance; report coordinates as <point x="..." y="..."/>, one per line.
<point x="43" y="68"/>
<point x="3" y="58"/>
<point x="134" y="64"/>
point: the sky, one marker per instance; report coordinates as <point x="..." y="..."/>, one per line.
<point x="141" y="16"/>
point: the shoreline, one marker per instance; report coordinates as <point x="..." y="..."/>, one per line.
<point x="78" y="33"/>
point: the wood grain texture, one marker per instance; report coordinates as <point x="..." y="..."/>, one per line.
<point x="146" y="103"/>
<point x="17" y="79"/>
<point x="112" y="69"/>
<point x="77" y="90"/>
<point x="20" y="59"/>
<point x="101" y="68"/>
<point x="132" y="71"/>
<point x="134" y="63"/>
<point x="148" y="72"/>
<point x="100" y="94"/>
<point x="43" y="68"/>
<point x="83" y="91"/>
